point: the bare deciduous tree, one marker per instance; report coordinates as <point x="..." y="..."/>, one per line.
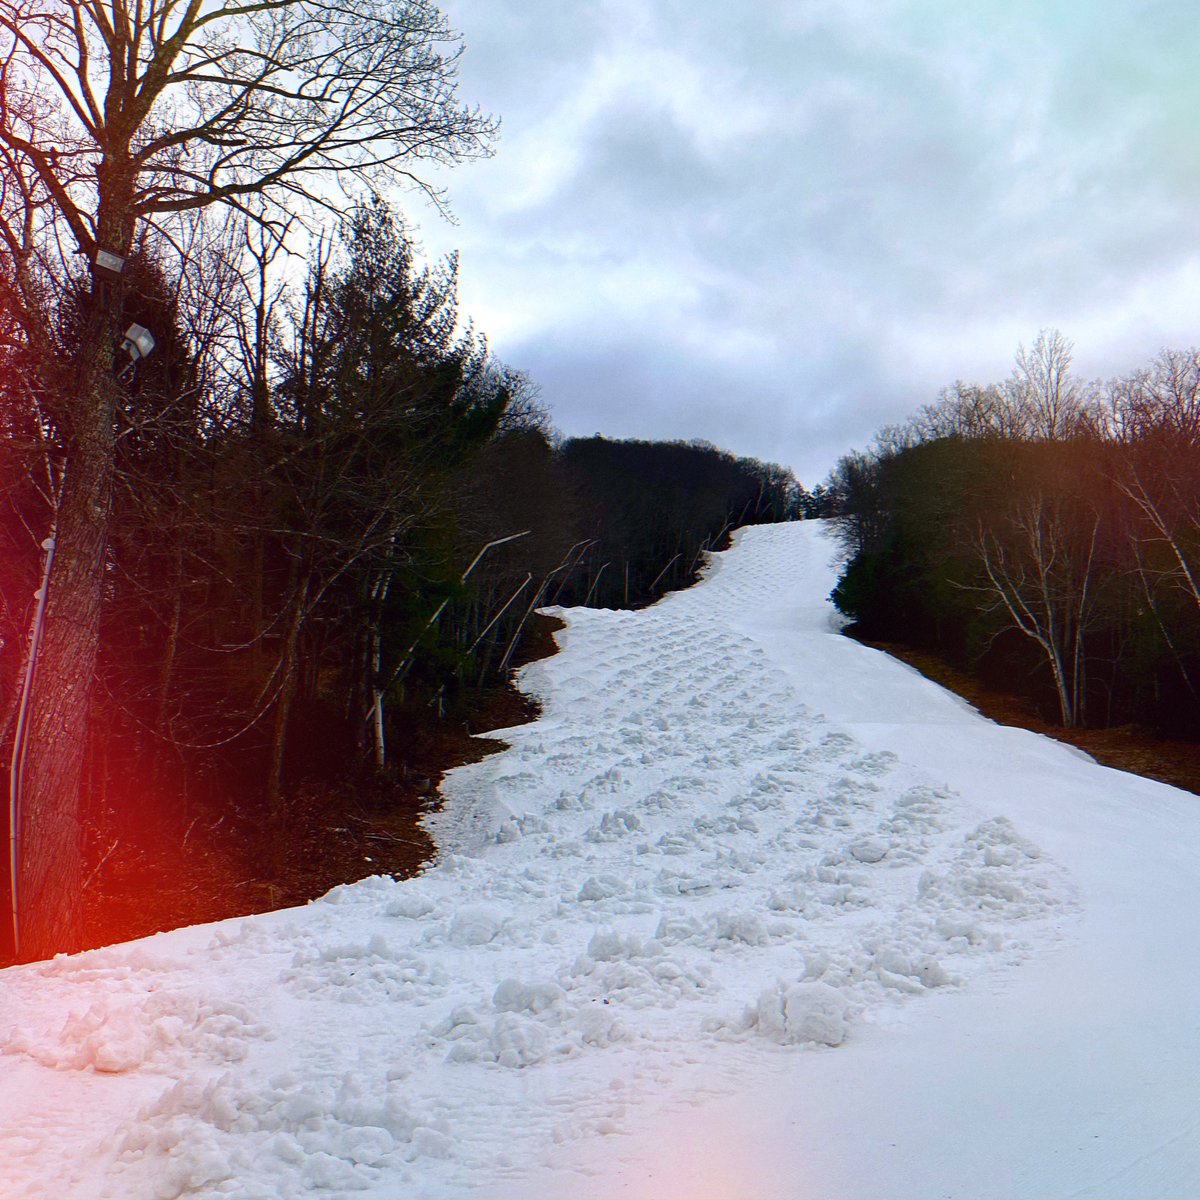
<point x="1042" y="388"/>
<point x="1039" y="562"/>
<point x="1161" y="402"/>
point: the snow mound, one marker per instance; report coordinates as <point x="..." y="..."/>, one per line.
<point x="798" y="1013"/>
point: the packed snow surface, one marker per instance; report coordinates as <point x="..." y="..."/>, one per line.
<point x="751" y="911"/>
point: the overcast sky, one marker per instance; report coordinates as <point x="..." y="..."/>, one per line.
<point x="778" y="225"/>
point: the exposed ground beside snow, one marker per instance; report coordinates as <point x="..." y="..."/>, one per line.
<point x="750" y="911"/>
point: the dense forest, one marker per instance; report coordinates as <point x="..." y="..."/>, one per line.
<point x="1043" y="532"/>
<point x="335" y="515"/>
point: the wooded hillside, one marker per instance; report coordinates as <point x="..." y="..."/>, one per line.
<point x="1044" y="532"/>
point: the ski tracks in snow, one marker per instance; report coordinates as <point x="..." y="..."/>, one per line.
<point x="681" y="863"/>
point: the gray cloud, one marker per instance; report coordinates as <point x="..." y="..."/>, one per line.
<point x="778" y="231"/>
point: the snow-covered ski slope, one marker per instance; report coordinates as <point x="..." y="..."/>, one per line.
<point x="751" y="911"/>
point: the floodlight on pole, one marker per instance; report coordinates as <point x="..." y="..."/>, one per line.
<point x="107" y="266"/>
<point x="138" y="343"/>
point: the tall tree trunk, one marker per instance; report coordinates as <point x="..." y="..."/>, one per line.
<point x="1065" y="707"/>
<point x="379" y="591"/>
<point x="51" y="866"/>
<point x="171" y="650"/>
<point x="289" y="685"/>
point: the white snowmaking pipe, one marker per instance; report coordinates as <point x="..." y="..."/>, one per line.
<point x="16" y="779"/>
